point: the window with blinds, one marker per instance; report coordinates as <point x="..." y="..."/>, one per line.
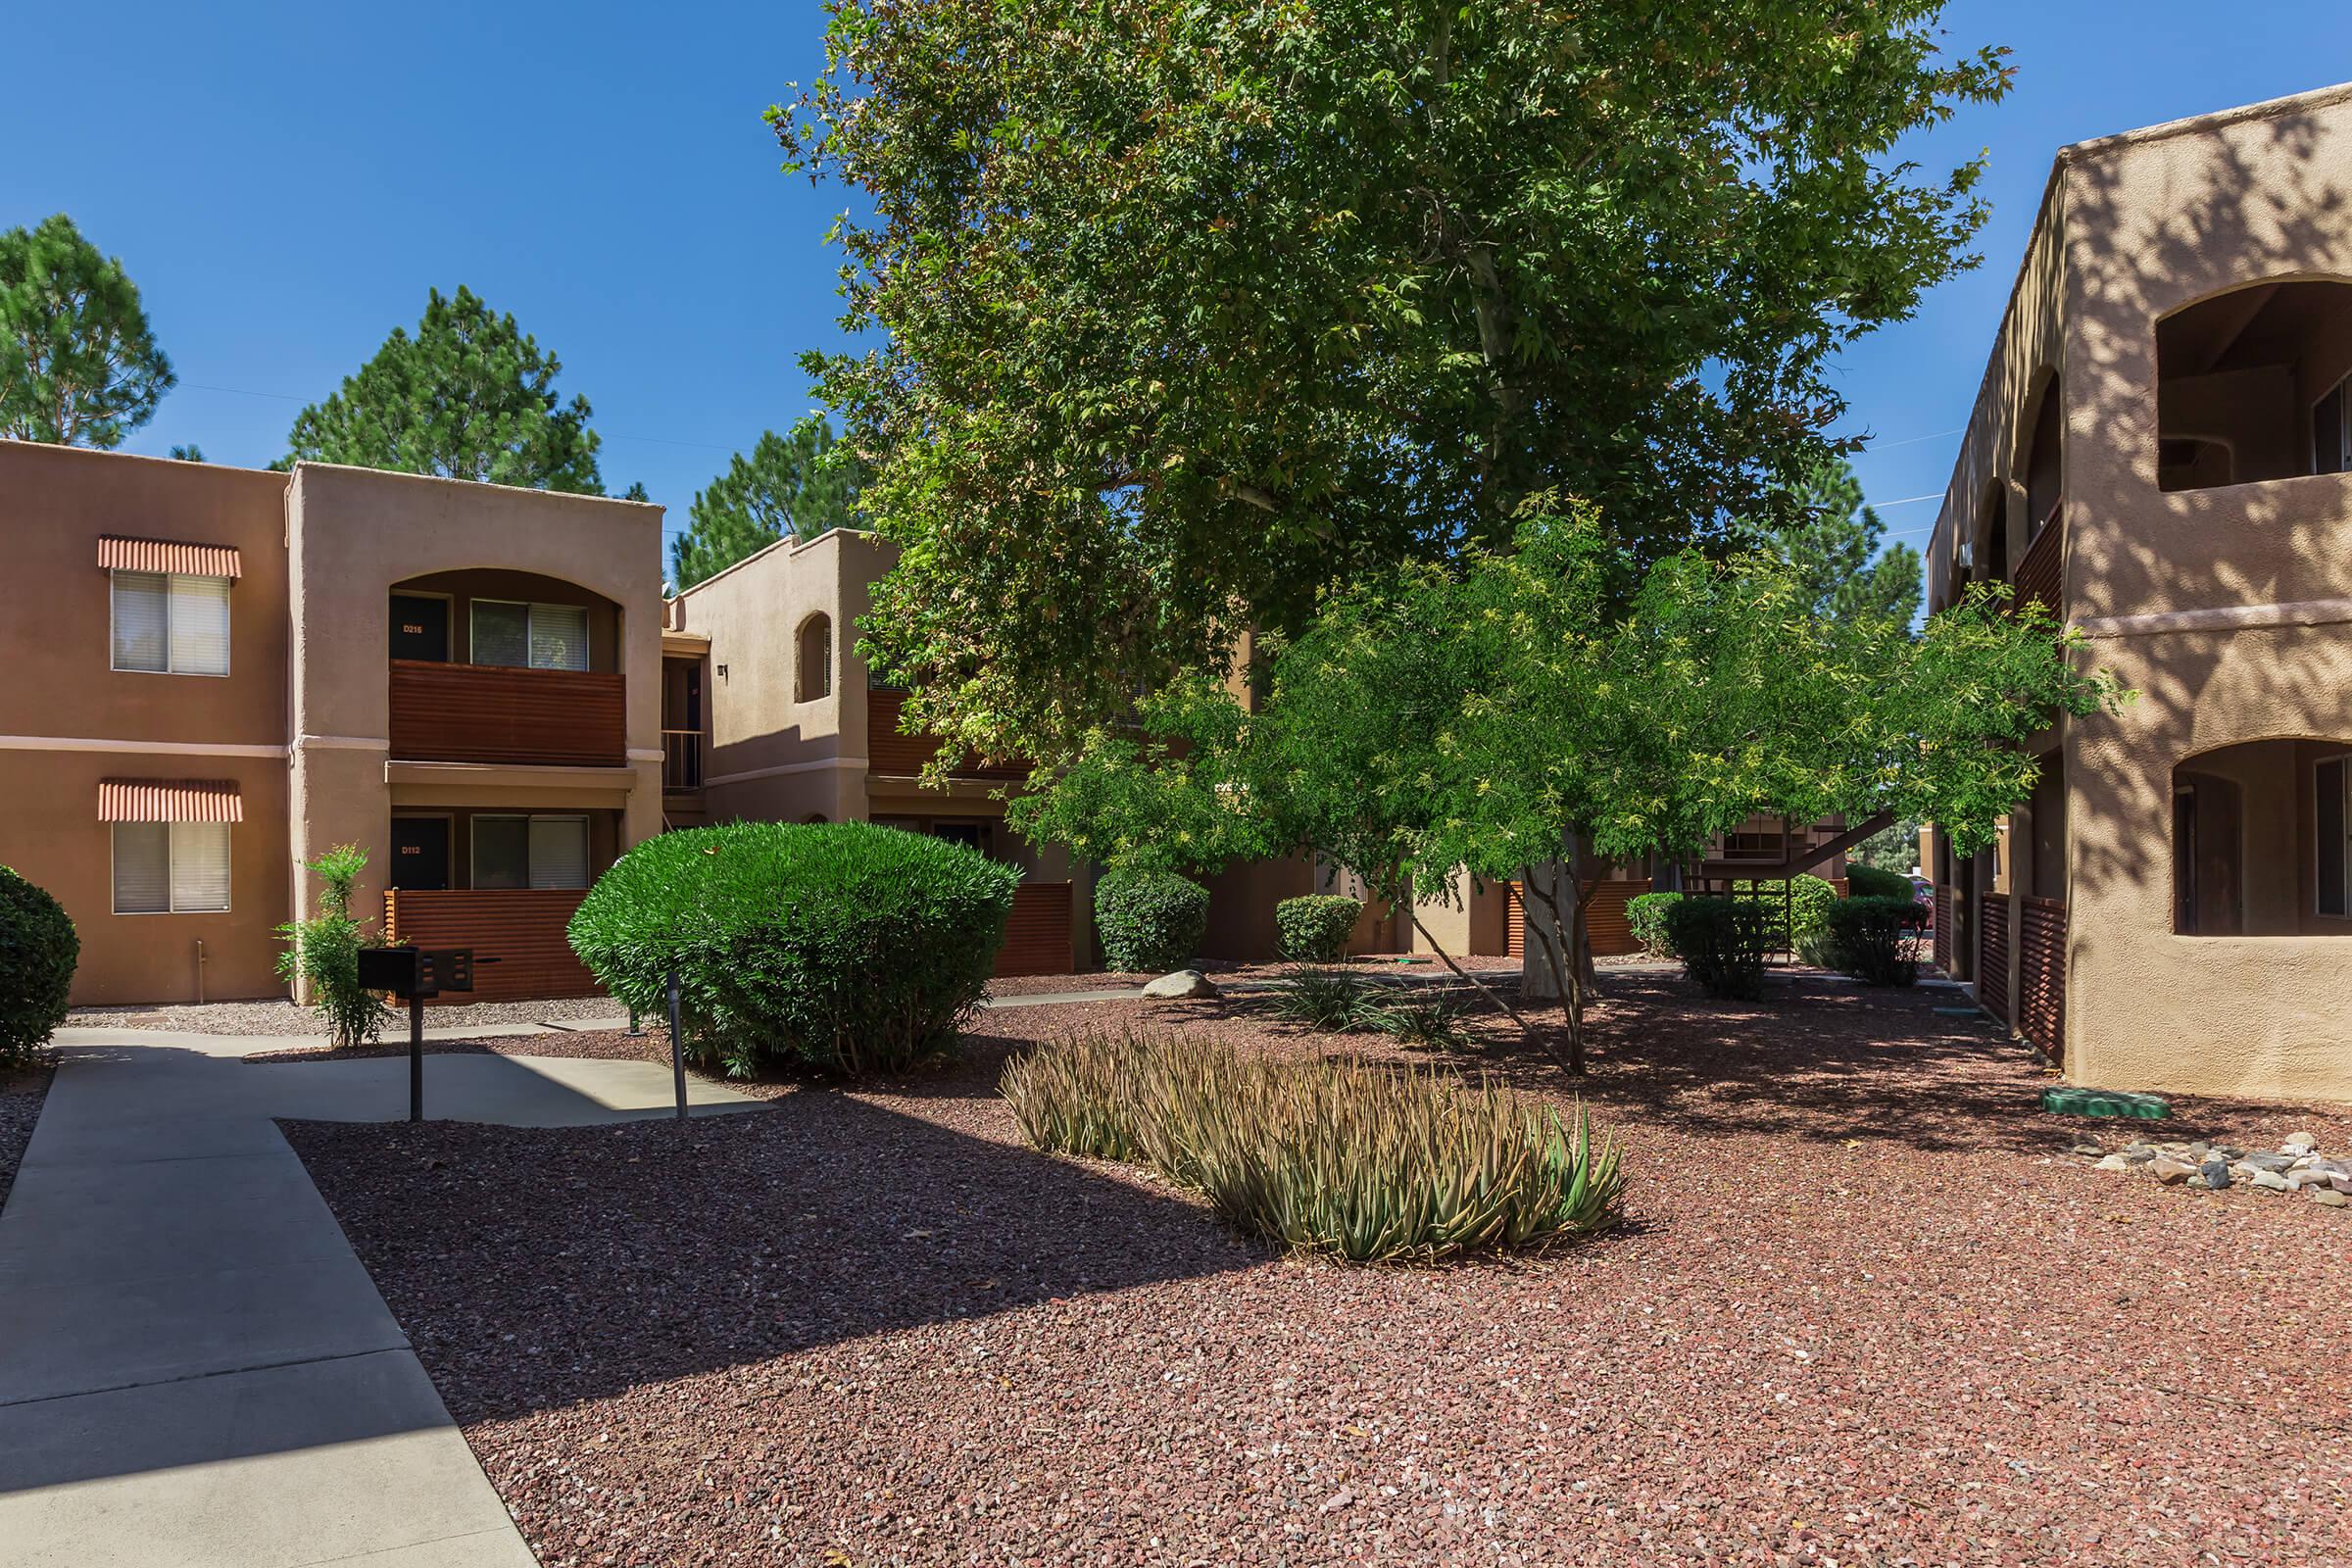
<point x="171" y="868"/>
<point x="171" y="623"/>
<point x="530" y="851"/>
<point x="559" y="852"/>
<point x="532" y="636"/>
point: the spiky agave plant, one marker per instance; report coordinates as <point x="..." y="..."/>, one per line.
<point x="1332" y="1001"/>
<point x="1079" y="1095"/>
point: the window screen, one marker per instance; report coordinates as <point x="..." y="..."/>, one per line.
<point x="559" y="852"/>
<point x="2336" y="836"/>
<point x="199" y="866"/>
<point x="502" y="633"/>
<point x="559" y="637"/>
<point x="502" y="851"/>
<point x="142" y="868"/>
<point x="199" y="627"/>
<point x="143" y="619"/>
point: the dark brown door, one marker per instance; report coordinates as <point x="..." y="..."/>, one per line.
<point x="420" y="853"/>
<point x="421" y="627"/>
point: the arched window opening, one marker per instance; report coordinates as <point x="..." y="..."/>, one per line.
<point x="816" y="662"/>
<point x="2039" y="462"/>
<point x="2251" y="386"/>
<point x="2262" y="840"/>
<point x="1991" y="562"/>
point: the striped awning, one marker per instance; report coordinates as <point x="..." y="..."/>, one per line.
<point x="117" y="554"/>
<point x="170" y="800"/>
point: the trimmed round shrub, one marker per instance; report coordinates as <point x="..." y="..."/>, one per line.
<point x="1810" y="900"/>
<point x="38" y="951"/>
<point x="1869" y="882"/>
<point x="1645" y="919"/>
<point x="1722" y="943"/>
<point x="850" y="948"/>
<point x="1315" y="929"/>
<point x="1875" y="940"/>
<point x="1150" y="920"/>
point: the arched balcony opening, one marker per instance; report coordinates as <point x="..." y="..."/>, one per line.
<point x="2262" y="840"/>
<point x="498" y="666"/>
<point x="2250" y="385"/>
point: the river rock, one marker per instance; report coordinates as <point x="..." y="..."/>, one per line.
<point x="2214" y="1174"/>
<point x="2269" y="1179"/>
<point x="2330" y="1197"/>
<point x="2114" y="1162"/>
<point x="2169" y="1170"/>
<point x="2299" y="1144"/>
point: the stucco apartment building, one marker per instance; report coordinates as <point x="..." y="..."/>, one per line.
<point x="214" y="674"/>
<point x="2162" y="452"/>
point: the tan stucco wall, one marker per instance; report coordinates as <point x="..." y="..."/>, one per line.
<point x="352" y="534"/>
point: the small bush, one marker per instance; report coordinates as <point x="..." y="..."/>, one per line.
<point x="1337" y="1158"/>
<point x="38" y="953"/>
<point x="1810" y="900"/>
<point x="1437" y="1022"/>
<point x="1150" y="921"/>
<point x="1315" y="929"/>
<point x="1330" y="1000"/>
<point x="1722" y="943"/>
<point x="848" y="946"/>
<point x="1869" y="882"/>
<point x="325" y="950"/>
<point x="1875" y="940"/>
<point x="1646" y="916"/>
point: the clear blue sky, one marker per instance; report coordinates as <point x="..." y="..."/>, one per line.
<point x="285" y="181"/>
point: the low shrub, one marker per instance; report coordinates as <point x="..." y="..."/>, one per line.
<point x="1869" y="882"/>
<point x="38" y="953"/>
<point x="1344" y="1159"/>
<point x="844" y="946"/>
<point x="1875" y="940"/>
<point x="1646" y="917"/>
<point x="1150" y="922"/>
<point x="1722" y="943"/>
<point x="1810" y="900"/>
<point x="1315" y="929"/>
<point x="1439" y="1021"/>
<point x="1333" y="1001"/>
<point x="323" y="950"/>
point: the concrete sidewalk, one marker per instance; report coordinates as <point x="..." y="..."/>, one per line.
<point x="195" y="1368"/>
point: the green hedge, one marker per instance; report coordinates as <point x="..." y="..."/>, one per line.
<point x="1646" y="917"/>
<point x="1875" y="940"/>
<point x="38" y="951"/>
<point x="1150" y="922"/>
<point x="1722" y="943"/>
<point x="1869" y="882"/>
<point x="1315" y="929"/>
<point x="1810" y="900"/>
<point x="850" y="948"/>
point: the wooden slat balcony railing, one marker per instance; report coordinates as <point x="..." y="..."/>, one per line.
<point x="1992" y="955"/>
<point x="520" y="927"/>
<point x="2039" y="577"/>
<point x="1037" y="934"/>
<point x="495" y="713"/>
<point x="895" y="756"/>
<point x="2042" y="976"/>
<point x="682" y="760"/>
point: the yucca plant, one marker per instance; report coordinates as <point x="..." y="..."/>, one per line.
<point x="1332" y="1001"/>
<point x="1438" y="1022"/>
<point x="1346" y="1158"/>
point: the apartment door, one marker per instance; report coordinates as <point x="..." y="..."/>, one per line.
<point x="420" y="853"/>
<point x="421" y="627"/>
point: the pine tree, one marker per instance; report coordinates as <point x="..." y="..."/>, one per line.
<point x="1830" y="536"/>
<point x="79" y="363"/>
<point x="802" y="484"/>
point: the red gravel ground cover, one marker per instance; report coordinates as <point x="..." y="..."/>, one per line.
<point x="1866" y="1309"/>
<point x="1223" y="970"/>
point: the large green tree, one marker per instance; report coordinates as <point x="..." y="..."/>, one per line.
<point x="799" y="484"/>
<point x="1184" y="313"/>
<point x="471" y="396"/>
<point x="79" y="363"/>
<point x="1831" y="538"/>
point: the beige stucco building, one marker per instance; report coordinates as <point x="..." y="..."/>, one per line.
<point x="2160" y="452"/>
<point x="216" y="674"/>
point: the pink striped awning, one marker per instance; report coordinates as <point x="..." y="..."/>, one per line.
<point x="170" y="800"/>
<point x="117" y="554"/>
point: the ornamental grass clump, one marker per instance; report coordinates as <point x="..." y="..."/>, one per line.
<point x="1332" y="1001"/>
<point x="1344" y="1158"/>
<point x="842" y="946"/>
<point x="1441" y="1021"/>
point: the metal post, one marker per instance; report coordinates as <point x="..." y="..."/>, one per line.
<point x="677" y="1047"/>
<point x="416" y="1055"/>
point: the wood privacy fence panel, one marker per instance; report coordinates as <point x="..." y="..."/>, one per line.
<point x="1992" y="956"/>
<point x="492" y="713"/>
<point x="896" y="756"/>
<point x="522" y="927"/>
<point x="2042" y="976"/>
<point x="1037" y="934"/>
<point x="1605" y="917"/>
<point x="1945" y="904"/>
<point x="1514" y="922"/>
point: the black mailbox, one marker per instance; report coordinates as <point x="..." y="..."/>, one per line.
<point x="410" y="973"/>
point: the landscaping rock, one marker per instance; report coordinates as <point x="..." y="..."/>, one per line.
<point x="1183" y="983"/>
<point x="2275" y="1163"/>
<point x="2169" y="1170"/>
<point x="2299" y="1143"/>
<point x="2329" y="1196"/>
<point x="2115" y="1162"/>
<point x="2269" y="1179"/>
<point x="2214" y="1174"/>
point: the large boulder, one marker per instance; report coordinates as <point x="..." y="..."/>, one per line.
<point x="1183" y="983"/>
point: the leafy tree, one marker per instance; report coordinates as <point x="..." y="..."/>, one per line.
<point x="1826" y="533"/>
<point x="1187" y="312"/>
<point x="79" y="363"/>
<point x="802" y="484"/>
<point x="1492" y="720"/>
<point x="190" y="453"/>
<point x="470" y="397"/>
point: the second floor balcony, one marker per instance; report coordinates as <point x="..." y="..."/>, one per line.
<point x="504" y="668"/>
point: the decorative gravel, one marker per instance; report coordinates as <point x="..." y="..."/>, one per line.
<point x="281" y="1016"/>
<point x="20" y="1095"/>
<point x="1869" y="1308"/>
<point x="1222" y="972"/>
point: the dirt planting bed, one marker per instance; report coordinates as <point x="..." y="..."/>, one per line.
<point x="1867" y="1309"/>
<point x="22" y="1092"/>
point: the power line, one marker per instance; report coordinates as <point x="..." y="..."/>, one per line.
<point x="601" y="431"/>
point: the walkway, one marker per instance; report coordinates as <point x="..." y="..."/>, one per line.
<point x="194" y="1367"/>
